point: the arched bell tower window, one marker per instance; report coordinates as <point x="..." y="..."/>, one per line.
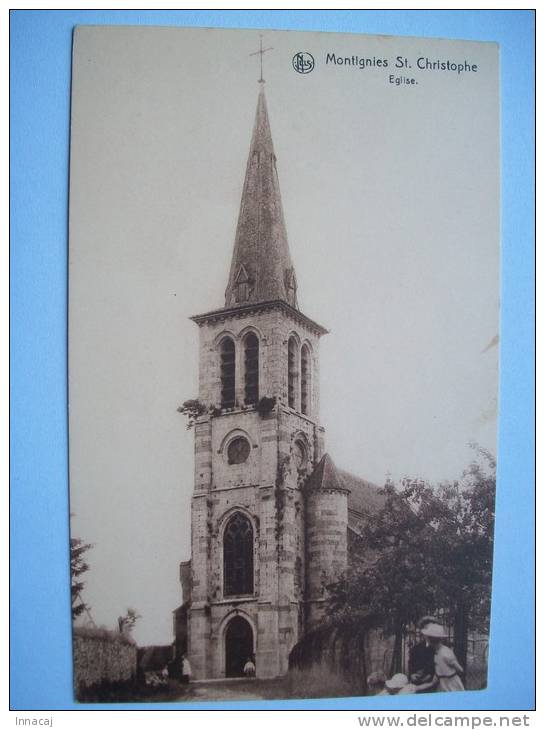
<point x="305" y="380"/>
<point x="238" y="556"/>
<point x="251" y="369"/>
<point x="293" y="367"/>
<point x="227" y="367"/>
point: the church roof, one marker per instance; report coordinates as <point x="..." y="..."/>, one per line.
<point x="325" y="476"/>
<point x="364" y="500"/>
<point x="261" y="267"/>
<point x="364" y="497"/>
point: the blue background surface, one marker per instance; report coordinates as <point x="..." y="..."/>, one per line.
<point x="41" y="672"/>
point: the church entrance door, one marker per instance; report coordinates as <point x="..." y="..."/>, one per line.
<point x="239" y="646"/>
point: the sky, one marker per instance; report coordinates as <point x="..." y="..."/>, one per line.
<point x="391" y="200"/>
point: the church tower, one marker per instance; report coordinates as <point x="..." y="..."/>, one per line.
<point x="256" y="442"/>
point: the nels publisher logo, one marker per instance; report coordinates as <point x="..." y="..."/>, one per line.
<point x="303" y="62"/>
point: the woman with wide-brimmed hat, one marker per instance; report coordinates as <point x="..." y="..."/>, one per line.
<point x="447" y="668"/>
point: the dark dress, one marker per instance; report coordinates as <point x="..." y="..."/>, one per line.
<point x="421" y="659"/>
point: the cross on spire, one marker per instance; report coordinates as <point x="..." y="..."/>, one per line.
<point x="261" y="51"/>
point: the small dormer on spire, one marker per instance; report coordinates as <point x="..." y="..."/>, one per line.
<point x="242" y="285"/>
<point x="261" y="267"/>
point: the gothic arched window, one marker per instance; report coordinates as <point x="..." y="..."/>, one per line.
<point x="251" y="369"/>
<point x="238" y="556"/>
<point x="292" y="371"/>
<point x="305" y="380"/>
<point x="227" y="367"/>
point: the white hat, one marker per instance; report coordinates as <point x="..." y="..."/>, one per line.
<point x="434" y="631"/>
<point x="397" y="681"/>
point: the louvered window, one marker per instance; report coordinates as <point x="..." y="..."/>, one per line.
<point x="292" y="372"/>
<point x="251" y="369"/>
<point x="305" y="380"/>
<point x="227" y="357"/>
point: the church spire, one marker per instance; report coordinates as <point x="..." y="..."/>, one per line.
<point x="261" y="268"/>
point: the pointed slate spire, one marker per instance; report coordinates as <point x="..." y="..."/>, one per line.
<point x="261" y="268"/>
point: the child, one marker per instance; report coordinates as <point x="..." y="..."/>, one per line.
<point x="249" y="668"/>
<point x="376" y="682"/>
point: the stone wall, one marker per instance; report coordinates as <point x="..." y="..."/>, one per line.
<point x="284" y="446"/>
<point x="326" y="547"/>
<point x="273" y="329"/>
<point x="102" y="656"/>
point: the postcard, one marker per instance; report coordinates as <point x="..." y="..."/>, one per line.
<point x="283" y="363"/>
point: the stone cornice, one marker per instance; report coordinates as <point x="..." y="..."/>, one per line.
<point x="217" y="315"/>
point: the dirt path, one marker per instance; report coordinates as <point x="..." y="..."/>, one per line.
<point x="229" y="691"/>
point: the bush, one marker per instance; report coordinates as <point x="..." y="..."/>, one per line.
<point x="135" y="690"/>
<point x="192" y="409"/>
<point x="265" y="406"/>
<point x="88" y="632"/>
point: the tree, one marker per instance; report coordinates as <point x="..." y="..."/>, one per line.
<point x="126" y="623"/>
<point x="428" y="549"/>
<point x="78" y="566"/>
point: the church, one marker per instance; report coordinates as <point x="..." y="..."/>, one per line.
<point x="271" y="517"/>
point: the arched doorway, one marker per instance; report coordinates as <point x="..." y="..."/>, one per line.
<point x="239" y="646"/>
